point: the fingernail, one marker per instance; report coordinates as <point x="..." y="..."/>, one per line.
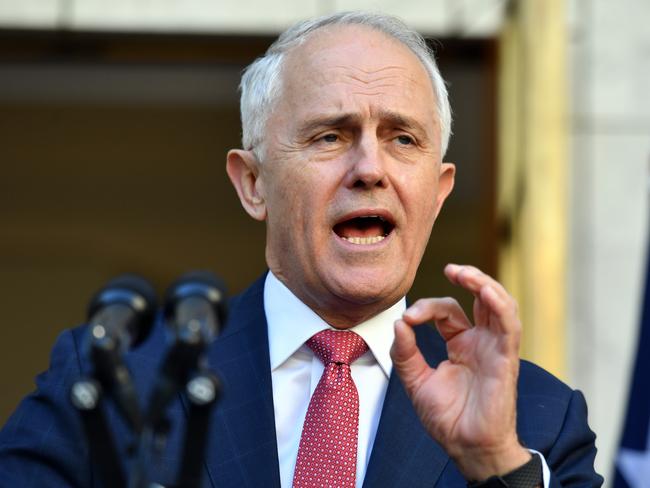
<point x="412" y="311"/>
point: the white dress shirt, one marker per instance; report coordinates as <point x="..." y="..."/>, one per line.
<point x="295" y="372"/>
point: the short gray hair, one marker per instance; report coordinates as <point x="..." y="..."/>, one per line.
<point x="261" y="82"/>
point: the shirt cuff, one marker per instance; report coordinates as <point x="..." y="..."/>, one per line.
<point x="546" y="473"/>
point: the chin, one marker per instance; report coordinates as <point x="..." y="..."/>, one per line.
<point x="366" y="288"/>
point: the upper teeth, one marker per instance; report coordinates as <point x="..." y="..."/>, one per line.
<point x="364" y="240"/>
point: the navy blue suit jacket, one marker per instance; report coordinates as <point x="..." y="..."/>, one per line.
<point x="42" y="444"/>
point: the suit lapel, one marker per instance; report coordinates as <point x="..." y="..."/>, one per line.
<point x="403" y="454"/>
<point x="242" y="447"/>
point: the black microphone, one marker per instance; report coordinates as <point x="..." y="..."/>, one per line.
<point x="195" y="310"/>
<point x="122" y="311"/>
<point x="195" y="307"/>
<point x="120" y="316"/>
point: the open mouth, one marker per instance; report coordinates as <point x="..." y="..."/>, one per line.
<point x="364" y="230"/>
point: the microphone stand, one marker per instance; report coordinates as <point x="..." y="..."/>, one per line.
<point x="111" y="372"/>
<point x="117" y="313"/>
<point x="86" y="396"/>
<point x="110" y="375"/>
<point x="202" y="392"/>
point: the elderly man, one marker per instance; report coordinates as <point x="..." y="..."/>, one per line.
<point x="328" y="382"/>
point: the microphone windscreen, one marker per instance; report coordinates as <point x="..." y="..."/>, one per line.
<point x="198" y="285"/>
<point x="134" y="292"/>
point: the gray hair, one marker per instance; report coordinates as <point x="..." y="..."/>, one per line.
<point x="261" y="81"/>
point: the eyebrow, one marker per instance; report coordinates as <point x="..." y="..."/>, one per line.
<point x="400" y="120"/>
<point x="346" y="119"/>
<point x="325" y="122"/>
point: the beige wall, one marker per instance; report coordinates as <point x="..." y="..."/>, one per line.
<point x="609" y="63"/>
<point x="532" y="177"/>
<point x="440" y="17"/>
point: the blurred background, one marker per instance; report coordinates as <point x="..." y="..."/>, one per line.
<point x="115" y="118"/>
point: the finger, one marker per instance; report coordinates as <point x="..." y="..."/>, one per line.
<point x="481" y="311"/>
<point x="407" y="358"/>
<point x="504" y="312"/>
<point x="448" y="315"/>
<point x="473" y="279"/>
<point x="493" y="306"/>
<point x="494" y="312"/>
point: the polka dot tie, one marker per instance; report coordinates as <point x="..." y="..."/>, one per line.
<point x="327" y="456"/>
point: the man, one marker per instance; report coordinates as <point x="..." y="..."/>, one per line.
<point x="345" y="123"/>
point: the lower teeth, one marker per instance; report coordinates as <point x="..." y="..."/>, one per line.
<point x="364" y="240"/>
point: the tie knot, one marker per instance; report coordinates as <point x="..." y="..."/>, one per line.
<point x="337" y="346"/>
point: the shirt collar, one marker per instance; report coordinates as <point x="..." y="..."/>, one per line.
<point x="291" y="323"/>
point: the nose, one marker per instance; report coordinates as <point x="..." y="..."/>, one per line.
<point x="367" y="165"/>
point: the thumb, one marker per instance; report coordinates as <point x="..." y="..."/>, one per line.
<point x="407" y="358"/>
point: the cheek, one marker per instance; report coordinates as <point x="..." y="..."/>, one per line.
<point x="280" y="182"/>
<point x="419" y="192"/>
<point x="290" y="200"/>
<point x="425" y="219"/>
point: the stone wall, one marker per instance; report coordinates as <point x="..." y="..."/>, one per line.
<point x="610" y="118"/>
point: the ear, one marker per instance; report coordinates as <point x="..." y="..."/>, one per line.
<point x="446" y="180"/>
<point x="243" y="169"/>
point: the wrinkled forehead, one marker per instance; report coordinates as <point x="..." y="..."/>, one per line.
<point x="366" y="53"/>
<point x="354" y="69"/>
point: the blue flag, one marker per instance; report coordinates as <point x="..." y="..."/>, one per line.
<point x="632" y="468"/>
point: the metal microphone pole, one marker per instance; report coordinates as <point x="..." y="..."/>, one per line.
<point x="86" y="396"/>
<point x="195" y="309"/>
<point x="120" y="315"/>
<point x="202" y="393"/>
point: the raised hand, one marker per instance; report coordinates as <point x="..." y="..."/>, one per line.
<point x="468" y="403"/>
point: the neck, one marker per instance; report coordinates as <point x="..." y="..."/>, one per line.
<point x="339" y="312"/>
<point x="341" y="320"/>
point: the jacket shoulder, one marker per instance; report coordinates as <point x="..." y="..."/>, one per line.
<point x="552" y="419"/>
<point x="533" y="379"/>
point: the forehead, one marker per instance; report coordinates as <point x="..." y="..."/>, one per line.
<point x="355" y="60"/>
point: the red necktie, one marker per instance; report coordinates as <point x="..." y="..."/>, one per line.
<point x="327" y="456"/>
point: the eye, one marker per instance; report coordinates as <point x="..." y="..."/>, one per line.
<point x="329" y="138"/>
<point x="405" y="140"/>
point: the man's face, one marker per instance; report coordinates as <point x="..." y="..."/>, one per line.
<point x="352" y="179"/>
